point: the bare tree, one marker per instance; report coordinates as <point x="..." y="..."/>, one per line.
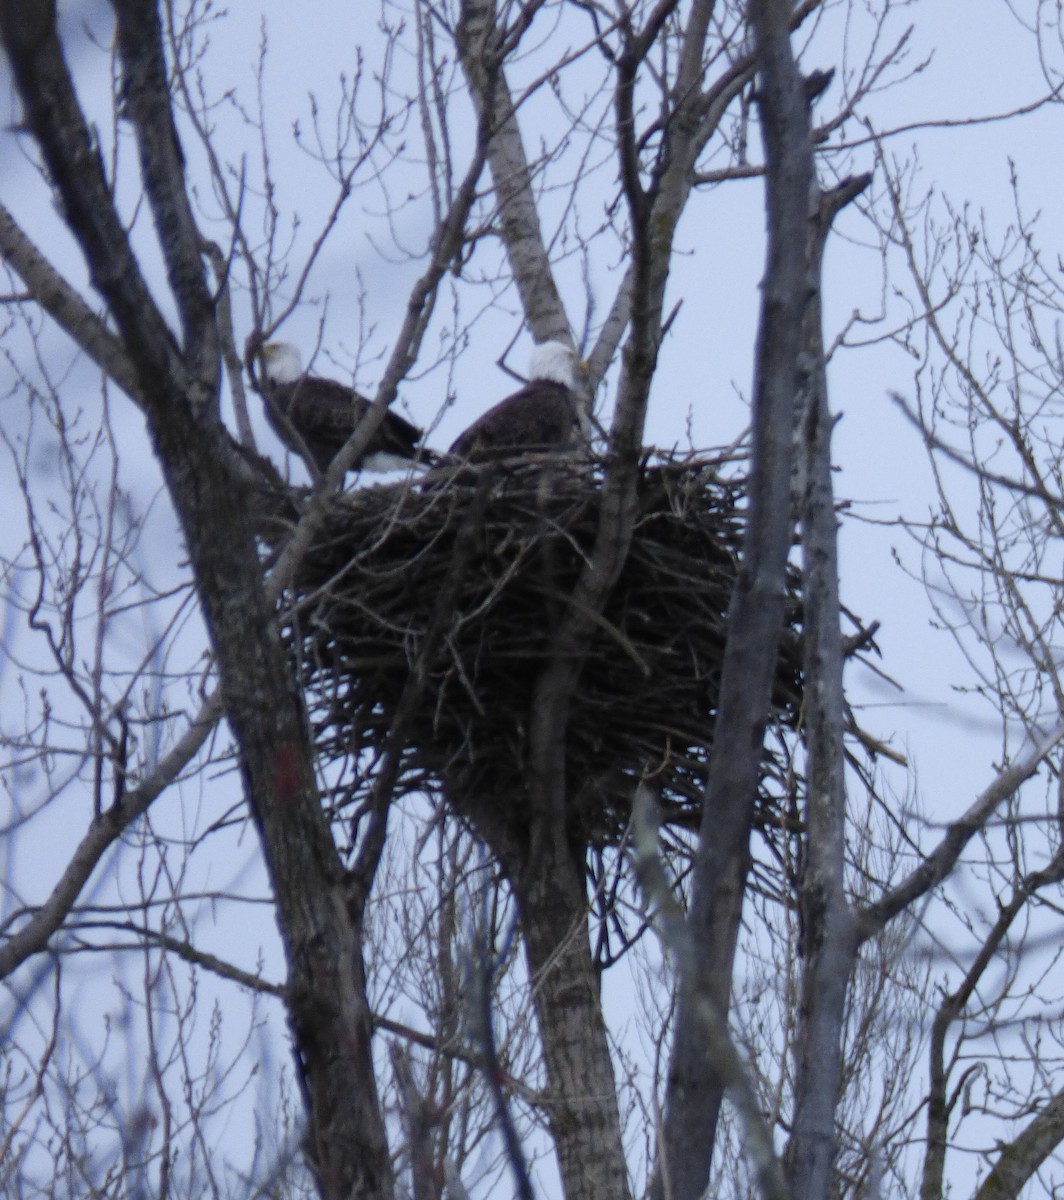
<point x="460" y="905"/>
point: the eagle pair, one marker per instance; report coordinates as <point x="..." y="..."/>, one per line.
<point x="314" y="416"/>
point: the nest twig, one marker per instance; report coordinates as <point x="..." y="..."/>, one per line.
<point x="439" y="599"/>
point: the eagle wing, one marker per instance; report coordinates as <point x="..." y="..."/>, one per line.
<point x="324" y="413"/>
<point x="541" y="416"/>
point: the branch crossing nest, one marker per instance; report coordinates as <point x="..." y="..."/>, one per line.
<point x="425" y="609"/>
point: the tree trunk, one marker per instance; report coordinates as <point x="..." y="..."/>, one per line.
<point x="582" y="1091"/>
<point x="178" y="386"/>
<point x="695" y="1085"/>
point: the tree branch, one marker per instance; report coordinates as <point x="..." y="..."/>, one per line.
<point x="52" y="111"/>
<point x="934" y="869"/>
<point x="481" y="45"/>
<point x="939" y="1106"/>
<point x="146" y="102"/>
<point x="1021" y="1158"/>
<point x="712" y="1024"/>
<point x="104" y="831"/>
<point x="65" y="306"/>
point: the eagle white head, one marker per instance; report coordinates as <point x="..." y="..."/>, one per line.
<point x="554" y="361"/>
<point x="281" y="362"/>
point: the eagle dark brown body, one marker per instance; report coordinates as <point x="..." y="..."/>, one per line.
<point x="544" y="415"/>
<point x="323" y="414"/>
<point x="541" y="416"/>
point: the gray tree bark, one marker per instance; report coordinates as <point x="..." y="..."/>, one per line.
<point x="829" y="931"/>
<point x="694" y="1088"/>
<point x="581" y="1098"/>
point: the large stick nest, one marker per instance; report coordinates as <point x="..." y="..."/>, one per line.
<point x="424" y="614"/>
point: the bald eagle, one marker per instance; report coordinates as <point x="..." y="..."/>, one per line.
<point x="544" y="415"/>
<point x="323" y="413"/>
